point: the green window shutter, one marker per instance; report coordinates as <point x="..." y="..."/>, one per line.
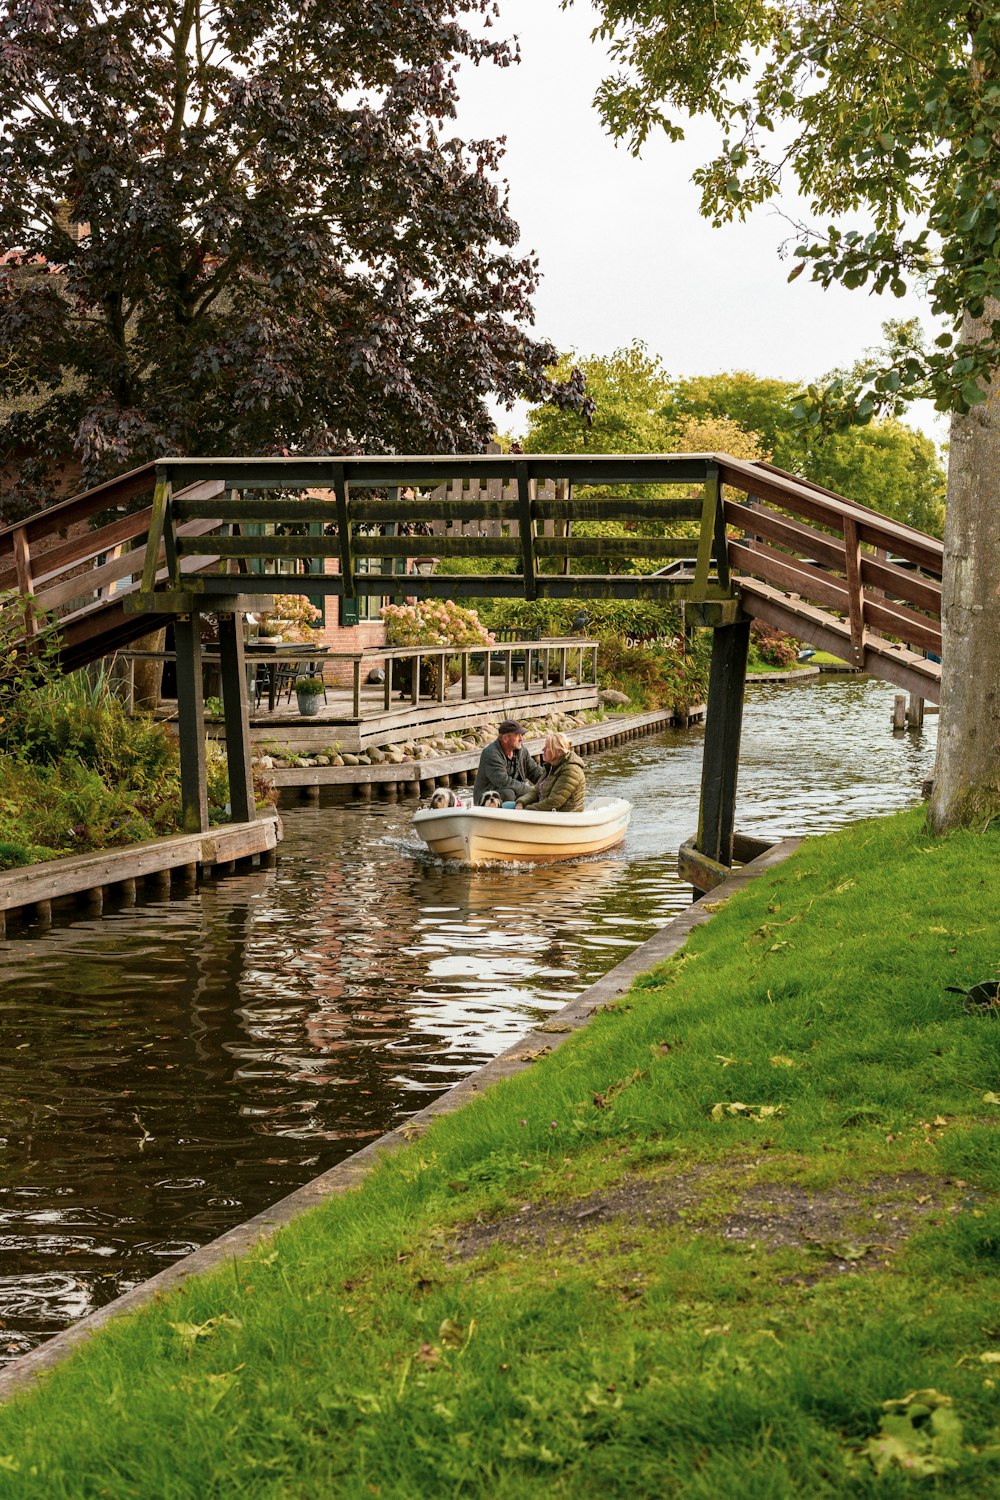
<point x="350" y="613"/>
<point x="315" y="565"/>
<point x="253" y="528"/>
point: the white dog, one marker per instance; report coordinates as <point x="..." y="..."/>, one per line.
<point x="442" y="796"/>
<point x="491" y="799"/>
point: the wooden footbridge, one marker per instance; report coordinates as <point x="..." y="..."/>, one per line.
<point x="735" y="541"/>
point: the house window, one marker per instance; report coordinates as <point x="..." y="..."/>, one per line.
<point x="367" y="606"/>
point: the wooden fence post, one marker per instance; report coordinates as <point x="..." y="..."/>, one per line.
<point x="723" y="726"/>
<point x="236" y="708"/>
<point x="191" y="723"/>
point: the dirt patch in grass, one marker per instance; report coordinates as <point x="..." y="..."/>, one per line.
<point x="850" y="1227"/>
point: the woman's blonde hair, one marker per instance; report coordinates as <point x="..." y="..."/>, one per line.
<point x="560" y="742"/>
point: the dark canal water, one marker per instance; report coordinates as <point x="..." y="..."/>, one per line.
<point x="167" y="1072"/>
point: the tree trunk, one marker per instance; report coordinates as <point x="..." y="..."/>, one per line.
<point x="967" y="773"/>
<point x="148" y="674"/>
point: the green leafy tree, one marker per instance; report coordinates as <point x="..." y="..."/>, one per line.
<point x="250" y="229"/>
<point x="884" y="464"/>
<point x="890" y="112"/>
<point x="629" y="390"/>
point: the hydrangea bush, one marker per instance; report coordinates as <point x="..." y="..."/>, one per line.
<point x="434" y="622"/>
<point x="293" y="618"/>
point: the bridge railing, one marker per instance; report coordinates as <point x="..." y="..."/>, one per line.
<point x="350" y="522"/>
<point x="347" y="525"/>
<point x="64" y="564"/>
<point x="878" y="575"/>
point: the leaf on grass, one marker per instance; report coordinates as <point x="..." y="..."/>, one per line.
<point x="842" y="1249"/>
<point x="727" y="1062"/>
<point x="605" y="1100"/>
<point x="991" y="1098"/>
<point x="190" y="1333"/>
<point x="845" y="885"/>
<point x="755" y="1112"/>
<point x="779" y="1060"/>
<point x="451" y="1334"/>
<point x="919" y="1434"/>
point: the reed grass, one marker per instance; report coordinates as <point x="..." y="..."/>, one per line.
<point x="602" y="1278"/>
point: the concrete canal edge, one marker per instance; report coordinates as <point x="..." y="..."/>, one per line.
<point x="351" y="1173"/>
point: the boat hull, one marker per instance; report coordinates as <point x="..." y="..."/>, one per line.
<point x="488" y="835"/>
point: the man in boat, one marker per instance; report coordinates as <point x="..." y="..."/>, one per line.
<point x="563" y="784"/>
<point x="505" y="766"/>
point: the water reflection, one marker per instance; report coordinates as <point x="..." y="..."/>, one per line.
<point x="168" y="1071"/>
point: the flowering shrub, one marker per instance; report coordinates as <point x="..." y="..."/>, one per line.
<point x="654" y="676"/>
<point x="434" y="622"/>
<point x="293" y="618"/>
<point x="772" y="647"/>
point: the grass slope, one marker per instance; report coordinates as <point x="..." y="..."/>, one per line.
<point x="604" y="1278"/>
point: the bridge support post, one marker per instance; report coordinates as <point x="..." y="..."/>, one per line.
<point x="724" y="723"/>
<point x="236" y="708"/>
<point x="191" y="723"/>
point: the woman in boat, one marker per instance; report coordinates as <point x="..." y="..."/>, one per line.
<point x="563" y="784"/>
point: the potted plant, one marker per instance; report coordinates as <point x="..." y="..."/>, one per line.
<point x="307" y="693"/>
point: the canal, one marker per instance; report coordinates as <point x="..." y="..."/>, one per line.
<point x="171" y="1070"/>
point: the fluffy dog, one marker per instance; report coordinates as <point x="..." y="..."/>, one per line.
<point x="442" y="796"/>
<point x="491" y="799"/>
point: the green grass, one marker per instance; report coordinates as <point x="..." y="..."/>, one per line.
<point x="729" y="1323"/>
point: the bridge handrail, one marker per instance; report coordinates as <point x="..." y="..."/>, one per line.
<point x="873" y="593"/>
<point x="794" y="535"/>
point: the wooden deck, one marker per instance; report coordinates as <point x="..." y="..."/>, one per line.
<point x="110" y="876"/>
<point x="336" y="720"/>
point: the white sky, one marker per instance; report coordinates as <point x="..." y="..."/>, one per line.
<point x="624" y="252"/>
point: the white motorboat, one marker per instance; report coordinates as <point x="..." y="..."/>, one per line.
<point x="482" y="835"/>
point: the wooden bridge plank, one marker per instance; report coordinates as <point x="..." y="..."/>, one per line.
<point x="907" y="669"/>
<point x="803" y="541"/>
<point x="55" y="560"/>
<point x="818" y="505"/>
<point x="856" y="600"/>
<point x="80" y="507"/>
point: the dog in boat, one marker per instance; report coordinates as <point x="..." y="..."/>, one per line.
<point x="491" y="799"/>
<point x="442" y="796"/>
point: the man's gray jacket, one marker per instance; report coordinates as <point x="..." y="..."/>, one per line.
<point x="511" y="778"/>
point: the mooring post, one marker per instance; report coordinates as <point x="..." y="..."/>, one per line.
<point x="191" y="723"/>
<point x="723" y="725"/>
<point x="915" y="711"/>
<point x="236" y="709"/>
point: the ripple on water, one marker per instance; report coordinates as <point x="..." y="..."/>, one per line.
<point x="171" y="1070"/>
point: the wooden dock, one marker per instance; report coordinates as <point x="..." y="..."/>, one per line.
<point x="418" y="778"/>
<point x="88" y="883"/>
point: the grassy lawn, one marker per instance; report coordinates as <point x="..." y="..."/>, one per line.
<point x="693" y="1252"/>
